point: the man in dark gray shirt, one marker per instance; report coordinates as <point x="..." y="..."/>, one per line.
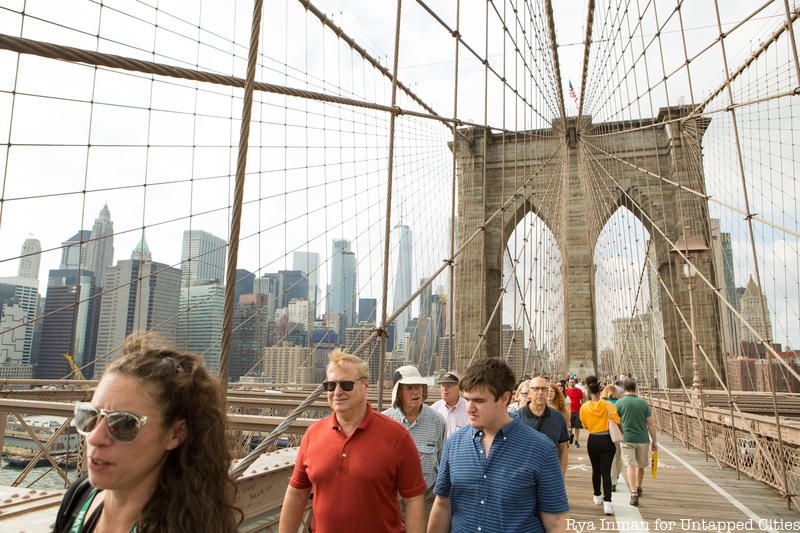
<point x="546" y="420"/>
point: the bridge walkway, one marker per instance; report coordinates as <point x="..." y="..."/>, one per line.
<point x="688" y="489"/>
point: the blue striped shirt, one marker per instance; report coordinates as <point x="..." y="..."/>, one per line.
<point x="506" y="492"/>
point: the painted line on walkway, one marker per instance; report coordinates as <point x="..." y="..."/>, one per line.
<point x="722" y="492"/>
<point x="629" y="519"/>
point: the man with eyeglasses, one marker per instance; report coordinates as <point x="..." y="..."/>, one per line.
<point x="540" y="417"/>
<point x="426" y="426"/>
<point x="356" y="461"/>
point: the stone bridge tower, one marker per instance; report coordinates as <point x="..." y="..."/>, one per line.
<point x="641" y="164"/>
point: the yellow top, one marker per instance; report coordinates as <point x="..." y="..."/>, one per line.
<point x="595" y="415"/>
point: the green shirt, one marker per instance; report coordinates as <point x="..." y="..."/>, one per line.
<point x="634" y="412"/>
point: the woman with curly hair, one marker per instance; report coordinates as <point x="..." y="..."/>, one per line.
<point x="555" y="399"/>
<point x="156" y="448"/>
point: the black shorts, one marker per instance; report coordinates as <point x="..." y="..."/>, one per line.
<point x="575" y="420"/>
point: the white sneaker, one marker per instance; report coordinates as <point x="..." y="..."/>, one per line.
<point x="608" y="508"/>
<point x="598" y="500"/>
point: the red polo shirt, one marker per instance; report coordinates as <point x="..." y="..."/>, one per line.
<point x="356" y="479"/>
<point x="575" y="399"/>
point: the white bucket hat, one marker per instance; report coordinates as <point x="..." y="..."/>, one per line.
<point x="407" y="375"/>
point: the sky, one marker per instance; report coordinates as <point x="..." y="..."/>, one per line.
<point x="162" y="153"/>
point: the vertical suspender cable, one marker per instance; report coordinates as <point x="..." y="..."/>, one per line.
<point x="238" y="195"/>
<point x="451" y="303"/>
<point x="484" y="179"/>
<point x="388" y="229"/>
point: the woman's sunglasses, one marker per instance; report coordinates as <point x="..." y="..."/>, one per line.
<point x="121" y="426"/>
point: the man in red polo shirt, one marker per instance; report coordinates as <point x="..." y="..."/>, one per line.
<point x="356" y="461"/>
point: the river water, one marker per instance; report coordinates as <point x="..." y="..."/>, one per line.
<point x="47" y="477"/>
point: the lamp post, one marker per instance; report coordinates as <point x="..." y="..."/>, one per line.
<point x="692" y="249"/>
<point x="689" y="272"/>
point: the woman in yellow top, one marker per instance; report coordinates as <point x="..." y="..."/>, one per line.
<point x="595" y="415"/>
<point x="611" y="394"/>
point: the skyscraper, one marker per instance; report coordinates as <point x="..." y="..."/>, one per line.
<point x="250" y="334"/>
<point x="100" y="249"/>
<point x="342" y="291"/>
<point x="30" y="258"/>
<point x="656" y="317"/>
<point x="200" y="321"/>
<point x="12" y="340"/>
<point x="722" y="255"/>
<point x="750" y="307"/>
<point x="21" y="293"/>
<point x="634" y="348"/>
<point x="244" y="283"/>
<point x="368" y="310"/>
<point x="69" y="325"/>
<point x="267" y="284"/>
<point x="139" y="296"/>
<point x="308" y="264"/>
<point x="513" y="350"/>
<point x="292" y="285"/>
<point x="287" y="364"/>
<point x="142" y="251"/>
<point x="402" y="277"/>
<point x="202" y="258"/>
<point x="354" y="337"/>
<point x="74" y="251"/>
<point x="297" y="312"/>
<point x="425" y="299"/>
<point x="322" y="342"/>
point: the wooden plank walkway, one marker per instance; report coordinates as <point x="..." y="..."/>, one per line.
<point x="679" y="500"/>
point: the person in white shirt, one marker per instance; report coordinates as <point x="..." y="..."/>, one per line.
<point x="452" y="406"/>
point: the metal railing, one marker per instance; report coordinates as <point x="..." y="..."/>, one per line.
<point x="744" y="441"/>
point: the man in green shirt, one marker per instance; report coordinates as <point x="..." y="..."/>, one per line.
<point x="637" y="422"/>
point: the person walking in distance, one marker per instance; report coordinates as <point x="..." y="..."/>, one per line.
<point x="452" y="406"/>
<point x="555" y="400"/>
<point x="538" y="415"/>
<point x="520" y="398"/>
<point x="357" y="461"/>
<point x="595" y="415"/>
<point x="576" y="398"/>
<point x="610" y="394"/>
<point x="498" y="475"/>
<point x="637" y="423"/>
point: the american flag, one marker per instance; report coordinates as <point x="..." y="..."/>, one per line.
<point x="572" y="92"/>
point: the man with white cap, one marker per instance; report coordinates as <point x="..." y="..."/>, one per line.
<point x="427" y="427"/>
<point x="452" y="406"/>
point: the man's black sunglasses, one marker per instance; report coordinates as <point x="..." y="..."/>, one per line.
<point x="346" y="386"/>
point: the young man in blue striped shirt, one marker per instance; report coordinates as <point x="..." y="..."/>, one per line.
<point x="497" y="475"/>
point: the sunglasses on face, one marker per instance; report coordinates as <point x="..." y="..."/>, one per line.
<point x="121" y="426"/>
<point x="346" y="386"/>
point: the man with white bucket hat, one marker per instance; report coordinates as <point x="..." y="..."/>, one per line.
<point x="427" y="427"/>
